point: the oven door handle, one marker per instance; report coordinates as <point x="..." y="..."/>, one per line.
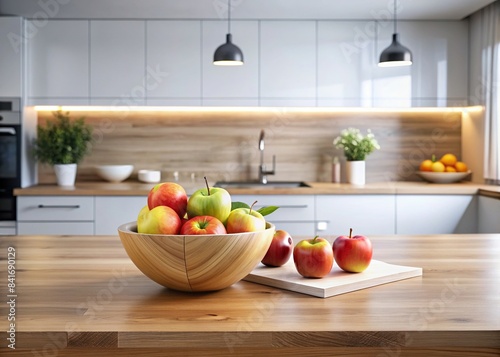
<point x="11" y="131"/>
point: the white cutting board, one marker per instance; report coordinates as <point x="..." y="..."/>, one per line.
<point x="337" y="282"/>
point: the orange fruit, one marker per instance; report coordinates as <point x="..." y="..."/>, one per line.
<point x="426" y="165"/>
<point x="437" y="166"/>
<point x="449" y="159"/>
<point x="461" y="166"/>
<point x="450" y="169"/>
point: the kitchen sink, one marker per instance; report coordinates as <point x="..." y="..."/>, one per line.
<point x="256" y="184"/>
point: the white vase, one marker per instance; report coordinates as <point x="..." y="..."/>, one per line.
<point x="65" y="174"/>
<point x="355" y="172"/>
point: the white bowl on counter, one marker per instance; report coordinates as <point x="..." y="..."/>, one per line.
<point x="114" y="173"/>
<point x="443" y="177"/>
<point x="149" y="176"/>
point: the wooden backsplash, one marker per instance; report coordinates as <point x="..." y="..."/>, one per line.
<point x="224" y="144"/>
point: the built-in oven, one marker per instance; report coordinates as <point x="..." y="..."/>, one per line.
<point x="10" y="161"/>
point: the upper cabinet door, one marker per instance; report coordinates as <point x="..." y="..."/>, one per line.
<point x="438" y="76"/>
<point x="11" y="50"/>
<point x="173" y="61"/>
<point x="288" y="62"/>
<point x="117" y="62"/>
<point x="58" y="63"/>
<point x="345" y="62"/>
<point x="231" y="85"/>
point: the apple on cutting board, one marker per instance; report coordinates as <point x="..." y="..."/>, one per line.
<point x="313" y="258"/>
<point x="352" y="254"/>
<point x="280" y="250"/>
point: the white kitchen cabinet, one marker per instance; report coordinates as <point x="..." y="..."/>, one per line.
<point x="295" y="214"/>
<point x="231" y="85"/>
<point x="438" y="76"/>
<point x="117" y="62"/>
<point x="11" y="52"/>
<point x="173" y="60"/>
<point x="488" y="215"/>
<point x="55" y="215"/>
<point x="58" y="63"/>
<point x="288" y="60"/>
<point x="345" y="62"/>
<point x="365" y="214"/>
<point x="113" y="211"/>
<point x="436" y="214"/>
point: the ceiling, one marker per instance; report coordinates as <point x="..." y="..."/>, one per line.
<point x="244" y="9"/>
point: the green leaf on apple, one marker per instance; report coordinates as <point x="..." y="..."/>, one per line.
<point x="267" y="210"/>
<point x="235" y="205"/>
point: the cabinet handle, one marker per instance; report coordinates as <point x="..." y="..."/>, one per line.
<point x="58" y="206"/>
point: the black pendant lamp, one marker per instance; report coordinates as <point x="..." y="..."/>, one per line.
<point x="228" y="54"/>
<point x="396" y="54"/>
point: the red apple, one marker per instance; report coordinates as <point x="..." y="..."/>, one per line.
<point x="203" y="225"/>
<point x="159" y="220"/>
<point x="168" y="194"/>
<point x="280" y="249"/>
<point x="245" y="220"/>
<point x="352" y="254"/>
<point x="313" y="258"/>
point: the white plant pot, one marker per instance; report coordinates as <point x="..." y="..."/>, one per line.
<point x="65" y="174"/>
<point x="355" y="172"/>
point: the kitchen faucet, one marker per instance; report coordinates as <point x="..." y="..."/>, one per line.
<point x="262" y="167"/>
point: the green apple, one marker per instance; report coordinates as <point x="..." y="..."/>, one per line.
<point x="245" y="220"/>
<point x="210" y="201"/>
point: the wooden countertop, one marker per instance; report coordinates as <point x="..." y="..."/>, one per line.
<point x="81" y="295"/>
<point x="134" y="188"/>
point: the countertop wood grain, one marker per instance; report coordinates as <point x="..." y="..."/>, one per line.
<point x="134" y="188"/>
<point x="81" y="295"/>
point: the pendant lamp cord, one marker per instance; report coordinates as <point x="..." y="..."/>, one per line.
<point x="395" y="18"/>
<point x="228" y="16"/>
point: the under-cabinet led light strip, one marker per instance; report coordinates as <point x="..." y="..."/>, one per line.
<point x="42" y="108"/>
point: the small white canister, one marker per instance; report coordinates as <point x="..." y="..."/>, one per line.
<point x="149" y="176"/>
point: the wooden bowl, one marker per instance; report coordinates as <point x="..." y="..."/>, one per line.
<point x="195" y="262"/>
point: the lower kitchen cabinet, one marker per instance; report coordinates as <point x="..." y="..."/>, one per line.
<point x="436" y="214"/>
<point x="365" y="214"/>
<point x="299" y="215"/>
<point x="55" y="215"/>
<point x="488" y="213"/>
<point x="113" y="211"/>
<point x="295" y="214"/>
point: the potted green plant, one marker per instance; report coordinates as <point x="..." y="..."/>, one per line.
<point x="63" y="143"/>
<point x="356" y="148"/>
